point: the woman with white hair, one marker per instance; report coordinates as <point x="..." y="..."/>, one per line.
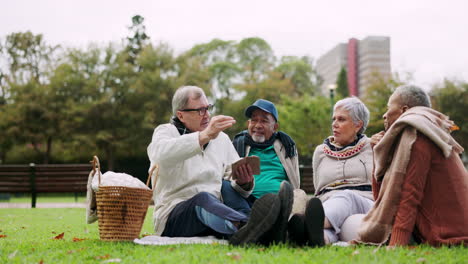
<point x="342" y="168"/>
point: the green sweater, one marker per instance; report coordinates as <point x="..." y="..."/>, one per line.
<point x="271" y="172"/>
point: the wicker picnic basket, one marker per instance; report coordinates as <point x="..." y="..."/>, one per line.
<point x="121" y="210"/>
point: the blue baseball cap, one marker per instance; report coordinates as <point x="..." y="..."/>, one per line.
<point x="264" y="105"/>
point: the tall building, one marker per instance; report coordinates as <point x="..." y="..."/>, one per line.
<point x="361" y="59"/>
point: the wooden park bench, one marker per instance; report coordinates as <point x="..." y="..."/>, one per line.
<point x="307" y="180"/>
<point x="47" y="178"/>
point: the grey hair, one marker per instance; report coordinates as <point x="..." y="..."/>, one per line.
<point x="356" y="109"/>
<point x="412" y="95"/>
<point x="182" y="96"/>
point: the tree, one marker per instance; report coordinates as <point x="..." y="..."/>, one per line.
<point x="307" y="120"/>
<point x="376" y="98"/>
<point x="342" y="84"/>
<point x="28" y="57"/>
<point x="299" y="70"/>
<point x="26" y="95"/>
<point x="450" y="98"/>
<point x="256" y="59"/>
<point x="138" y="39"/>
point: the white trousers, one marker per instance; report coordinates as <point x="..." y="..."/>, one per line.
<point x="340" y="206"/>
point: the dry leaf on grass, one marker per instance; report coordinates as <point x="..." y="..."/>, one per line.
<point x="59" y="236"/>
<point x="76" y="239"/>
<point x="234" y="256"/>
<point x="2" y="236"/>
<point x="420" y="260"/>
<point x="106" y="256"/>
<point x="41" y="261"/>
<point x="74" y="251"/>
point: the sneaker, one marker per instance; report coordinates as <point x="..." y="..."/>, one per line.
<point x="278" y="232"/>
<point x="265" y="212"/>
<point x="296" y="230"/>
<point x="314" y="219"/>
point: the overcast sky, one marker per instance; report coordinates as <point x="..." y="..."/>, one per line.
<point x="429" y="38"/>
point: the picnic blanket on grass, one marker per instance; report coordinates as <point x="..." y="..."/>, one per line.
<point x="161" y="241"/>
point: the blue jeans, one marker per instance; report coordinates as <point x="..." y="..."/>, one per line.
<point x="202" y="215"/>
<point x="233" y="199"/>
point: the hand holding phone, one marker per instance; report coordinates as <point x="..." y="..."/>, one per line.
<point x="253" y="161"/>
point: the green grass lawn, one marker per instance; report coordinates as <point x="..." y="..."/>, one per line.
<point x="26" y="236"/>
<point x="48" y="198"/>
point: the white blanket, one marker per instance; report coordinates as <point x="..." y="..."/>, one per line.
<point x="160" y="241"/>
<point x="111" y="178"/>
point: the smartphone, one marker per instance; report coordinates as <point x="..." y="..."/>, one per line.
<point x="253" y="161"/>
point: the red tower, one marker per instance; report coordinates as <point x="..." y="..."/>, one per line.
<point x="352" y="71"/>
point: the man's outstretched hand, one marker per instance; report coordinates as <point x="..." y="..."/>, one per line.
<point x="216" y="125"/>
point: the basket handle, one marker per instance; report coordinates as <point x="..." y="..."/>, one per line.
<point x="96" y="166"/>
<point x="155" y="167"/>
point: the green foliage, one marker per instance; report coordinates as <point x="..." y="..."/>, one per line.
<point x="301" y="74"/>
<point x="342" y="84"/>
<point x="27" y="237"/>
<point x="450" y="98"/>
<point x="376" y="98"/>
<point x="106" y="100"/>
<point x="307" y="121"/>
<point x="138" y="40"/>
<point x="256" y="58"/>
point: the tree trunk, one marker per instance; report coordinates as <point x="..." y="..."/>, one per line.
<point x="48" y="150"/>
<point x="110" y="157"/>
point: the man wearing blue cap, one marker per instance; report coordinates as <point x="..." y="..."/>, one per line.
<point x="279" y="163"/>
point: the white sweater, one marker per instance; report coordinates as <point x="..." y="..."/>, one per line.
<point x="185" y="169"/>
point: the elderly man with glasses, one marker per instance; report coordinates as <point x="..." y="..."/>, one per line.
<point x="194" y="155"/>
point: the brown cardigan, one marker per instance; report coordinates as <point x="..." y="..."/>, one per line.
<point x="420" y="195"/>
<point x="434" y="198"/>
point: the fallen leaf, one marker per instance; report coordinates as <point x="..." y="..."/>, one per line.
<point x="170" y="249"/>
<point x="145" y="234"/>
<point x="53" y="232"/>
<point x="106" y="256"/>
<point x="112" y="260"/>
<point x="12" y="255"/>
<point x="234" y="256"/>
<point x="41" y="261"/>
<point x="420" y="260"/>
<point x="76" y="239"/>
<point x="23" y="227"/>
<point x="261" y="249"/>
<point x="1" y="236"/>
<point x="60" y="236"/>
